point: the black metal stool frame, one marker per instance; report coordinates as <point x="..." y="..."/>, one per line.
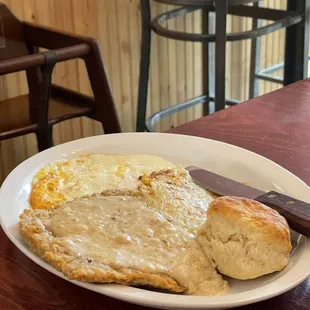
<point x="296" y="57"/>
<point x="293" y="16"/>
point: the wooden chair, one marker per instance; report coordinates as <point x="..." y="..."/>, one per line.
<point x="48" y="104"/>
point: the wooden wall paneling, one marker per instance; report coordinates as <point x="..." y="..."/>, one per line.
<point x="106" y="41"/>
<point x="267" y="58"/>
<point x="93" y="19"/>
<point x="84" y="17"/>
<point x="272" y="58"/>
<point x="181" y="79"/>
<point x="272" y="49"/>
<point x="114" y="51"/>
<point x="189" y="65"/>
<point x="134" y="44"/>
<point x="172" y="70"/>
<point x="278" y="46"/>
<point x="154" y="104"/>
<point x="229" y="62"/>
<point x="236" y="55"/>
<point x="241" y="60"/>
<point x="197" y="63"/>
<point x="125" y="74"/>
<point x="244" y="66"/>
<point x="29" y="10"/>
<point x="275" y="56"/>
<point x="150" y="85"/>
<point x="246" y="61"/>
<point x="163" y="74"/>
<point x="262" y="84"/>
<point x="104" y="37"/>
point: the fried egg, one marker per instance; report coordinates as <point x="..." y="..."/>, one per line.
<point x="67" y="180"/>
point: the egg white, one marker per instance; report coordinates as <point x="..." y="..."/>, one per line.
<point x="89" y="174"/>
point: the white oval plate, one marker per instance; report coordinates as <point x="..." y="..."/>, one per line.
<point x="221" y="158"/>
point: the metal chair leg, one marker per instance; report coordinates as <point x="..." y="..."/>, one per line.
<point x="297" y="44"/>
<point x="144" y="64"/>
<point x="221" y="8"/>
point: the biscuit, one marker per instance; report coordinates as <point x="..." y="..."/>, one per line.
<point x="244" y="238"/>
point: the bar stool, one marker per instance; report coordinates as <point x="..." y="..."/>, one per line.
<point x="295" y="62"/>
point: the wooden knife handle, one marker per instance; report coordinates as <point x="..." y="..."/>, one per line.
<point x="296" y="212"/>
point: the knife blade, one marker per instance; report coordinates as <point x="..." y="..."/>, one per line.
<point x="296" y="212"/>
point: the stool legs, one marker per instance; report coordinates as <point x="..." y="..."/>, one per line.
<point x="144" y="64"/>
<point x="297" y="44"/>
<point x="221" y="8"/>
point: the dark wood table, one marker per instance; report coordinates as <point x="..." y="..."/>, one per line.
<point x="276" y="126"/>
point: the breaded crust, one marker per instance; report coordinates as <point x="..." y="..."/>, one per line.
<point x="173" y="193"/>
<point x="45" y="245"/>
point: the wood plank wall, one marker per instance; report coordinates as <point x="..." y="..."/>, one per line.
<point x="176" y="67"/>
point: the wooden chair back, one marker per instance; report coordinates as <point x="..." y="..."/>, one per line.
<point x="19" y="51"/>
<point x="12" y="36"/>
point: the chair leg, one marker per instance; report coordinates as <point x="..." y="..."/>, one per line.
<point x="105" y="108"/>
<point x="221" y="8"/>
<point x="144" y="64"/>
<point x="45" y="131"/>
<point x="45" y="138"/>
<point x="297" y="44"/>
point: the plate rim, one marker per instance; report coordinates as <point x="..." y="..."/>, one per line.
<point x="130" y="297"/>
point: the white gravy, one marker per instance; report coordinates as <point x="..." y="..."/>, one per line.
<point x="124" y="232"/>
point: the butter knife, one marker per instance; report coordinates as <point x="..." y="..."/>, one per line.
<point x="296" y="212"/>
